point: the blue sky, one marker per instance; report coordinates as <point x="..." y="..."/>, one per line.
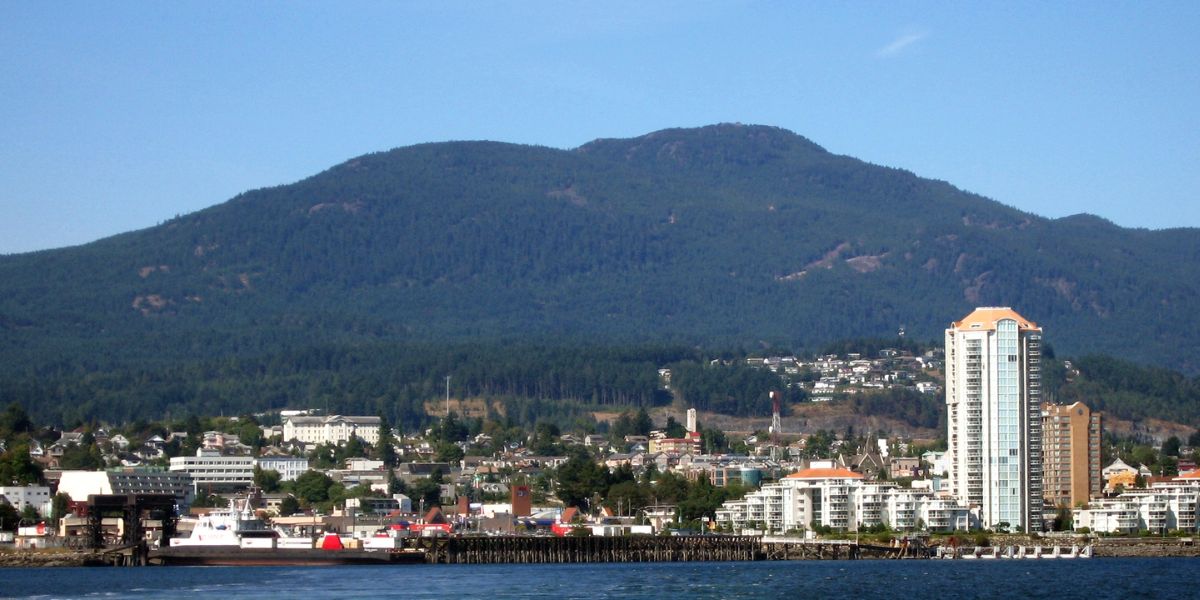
<point x="116" y="116"/>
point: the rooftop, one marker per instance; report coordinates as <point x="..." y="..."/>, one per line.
<point x="825" y="473"/>
<point x="986" y="317"/>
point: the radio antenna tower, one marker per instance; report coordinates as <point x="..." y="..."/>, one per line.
<point x="776" y="422"/>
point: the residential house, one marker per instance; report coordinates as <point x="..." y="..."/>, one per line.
<point x="1118" y="474"/>
<point x="595" y="441"/>
<point x="904" y="466"/>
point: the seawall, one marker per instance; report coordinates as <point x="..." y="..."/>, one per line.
<point x="1144" y="547"/>
<point x="45" y="558"/>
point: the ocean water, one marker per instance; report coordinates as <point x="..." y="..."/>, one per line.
<point x="1173" y="578"/>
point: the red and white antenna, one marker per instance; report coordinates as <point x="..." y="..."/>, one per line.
<point x="776" y="421"/>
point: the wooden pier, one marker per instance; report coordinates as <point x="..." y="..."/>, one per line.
<point x="127" y="555"/>
<point x="519" y="549"/>
<point x="471" y="550"/>
<point x="527" y="550"/>
<point x="788" y="548"/>
<point x="801" y="549"/>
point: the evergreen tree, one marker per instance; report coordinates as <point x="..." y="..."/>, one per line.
<point x="288" y="506"/>
<point x="267" y="480"/>
<point x="17" y="468"/>
<point x="385" y="449"/>
<point x="579" y="479"/>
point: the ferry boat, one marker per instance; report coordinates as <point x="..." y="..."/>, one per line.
<point x="237" y="537"/>
<point x="232" y="527"/>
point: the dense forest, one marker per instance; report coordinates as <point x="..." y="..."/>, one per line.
<point x="526" y="384"/>
<point x="391" y="380"/>
<point x="1130" y="391"/>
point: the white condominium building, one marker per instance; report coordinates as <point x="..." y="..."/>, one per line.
<point x="839" y="499"/>
<point x="1163" y="507"/>
<point x="994" y="416"/>
<point x="336" y="429"/>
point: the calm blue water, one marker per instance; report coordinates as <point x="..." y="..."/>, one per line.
<point x="810" y="580"/>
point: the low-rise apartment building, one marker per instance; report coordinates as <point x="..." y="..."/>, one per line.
<point x="1169" y="506"/>
<point x="839" y="499"/>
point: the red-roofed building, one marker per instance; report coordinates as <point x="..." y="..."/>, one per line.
<point x="688" y="444"/>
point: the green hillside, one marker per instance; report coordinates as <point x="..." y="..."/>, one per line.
<point x="722" y="236"/>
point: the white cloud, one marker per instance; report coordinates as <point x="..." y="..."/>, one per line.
<point x="899" y="44"/>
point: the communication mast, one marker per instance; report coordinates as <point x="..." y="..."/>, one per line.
<point x="776" y="422"/>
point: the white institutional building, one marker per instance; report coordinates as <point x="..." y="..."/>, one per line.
<point x="994" y="420"/>
<point x="21" y="496"/>
<point x="290" y="468"/>
<point x="81" y="484"/>
<point x="336" y="429"/>
<point x="211" y="471"/>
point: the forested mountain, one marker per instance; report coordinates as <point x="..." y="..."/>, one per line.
<point x="721" y="236"/>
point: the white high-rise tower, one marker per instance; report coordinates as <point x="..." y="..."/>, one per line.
<point x="994" y="427"/>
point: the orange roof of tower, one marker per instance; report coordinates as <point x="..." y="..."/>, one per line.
<point x="985" y="317"/>
<point x="825" y="474"/>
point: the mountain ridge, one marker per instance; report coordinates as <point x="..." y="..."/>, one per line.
<point x="725" y="234"/>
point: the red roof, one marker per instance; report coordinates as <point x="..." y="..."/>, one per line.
<point x="435" y="515"/>
<point x="834" y="473"/>
<point x="568" y="515"/>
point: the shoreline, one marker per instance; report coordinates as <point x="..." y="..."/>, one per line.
<point x="46" y="558"/>
<point x="1113" y="548"/>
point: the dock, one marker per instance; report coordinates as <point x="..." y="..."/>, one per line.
<point x="528" y="549"/>
<point x="479" y="550"/>
<point x="794" y="548"/>
<point x="262" y="557"/>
